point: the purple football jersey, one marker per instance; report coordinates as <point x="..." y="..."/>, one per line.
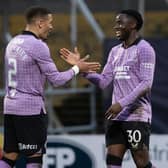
<point x="28" y="66"/>
<point x="131" y="72"/>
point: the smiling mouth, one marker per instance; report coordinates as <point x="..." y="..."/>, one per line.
<point x="118" y="33"/>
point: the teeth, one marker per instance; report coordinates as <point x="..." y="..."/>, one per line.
<point x="118" y="33"/>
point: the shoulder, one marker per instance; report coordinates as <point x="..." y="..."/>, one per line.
<point x="29" y="41"/>
<point x="40" y="50"/>
<point x="32" y="42"/>
<point x="35" y="47"/>
<point x="145" y="46"/>
<point x="115" y="48"/>
<point x="39" y="47"/>
<point x="145" y="50"/>
<point x="39" y="44"/>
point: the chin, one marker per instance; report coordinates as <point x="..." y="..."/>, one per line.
<point x="43" y="38"/>
<point x="120" y="38"/>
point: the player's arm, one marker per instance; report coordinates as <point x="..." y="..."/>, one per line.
<point x="55" y="77"/>
<point x="147" y="64"/>
<point x="103" y="79"/>
<point x="49" y="69"/>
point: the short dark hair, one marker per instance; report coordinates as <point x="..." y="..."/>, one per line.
<point x="35" y="11"/>
<point x="136" y="15"/>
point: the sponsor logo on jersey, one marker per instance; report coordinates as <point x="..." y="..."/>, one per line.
<point x="26" y="146"/>
<point x="121" y="72"/>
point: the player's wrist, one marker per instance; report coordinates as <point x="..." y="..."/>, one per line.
<point x="75" y="68"/>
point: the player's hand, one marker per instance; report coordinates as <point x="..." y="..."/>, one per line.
<point x="113" y="111"/>
<point x="72" y="57"/>
<point x="77" y="53"/>
<point x="88" y="67"/>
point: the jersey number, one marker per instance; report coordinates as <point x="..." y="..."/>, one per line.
<point x="12" y="72"/>
<point x="134" y="136"/>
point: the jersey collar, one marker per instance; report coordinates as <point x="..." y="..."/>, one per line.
<point x="135" y="42"/>
<point x="29" y="33"/>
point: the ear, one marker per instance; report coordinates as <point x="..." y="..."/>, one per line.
<point x="40" y="23"/>
<point x="133" y="24"/>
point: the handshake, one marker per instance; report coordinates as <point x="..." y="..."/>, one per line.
<point x="79" y="64"/>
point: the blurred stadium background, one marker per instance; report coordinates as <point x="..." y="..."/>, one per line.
<point x="77" y="109"/>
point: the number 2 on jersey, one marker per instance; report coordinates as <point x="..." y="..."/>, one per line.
<point x="12" y="72"/>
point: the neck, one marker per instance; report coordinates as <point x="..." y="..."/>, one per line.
<point x="32" y="29"/>
<point x="131" y="39"/>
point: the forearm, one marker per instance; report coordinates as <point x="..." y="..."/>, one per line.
<point x="139" y="91"/>
<point x="60" y="78"/>
<point x="99" y="80"/>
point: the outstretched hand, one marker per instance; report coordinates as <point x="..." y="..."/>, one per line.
<point x="73" y="58"/>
